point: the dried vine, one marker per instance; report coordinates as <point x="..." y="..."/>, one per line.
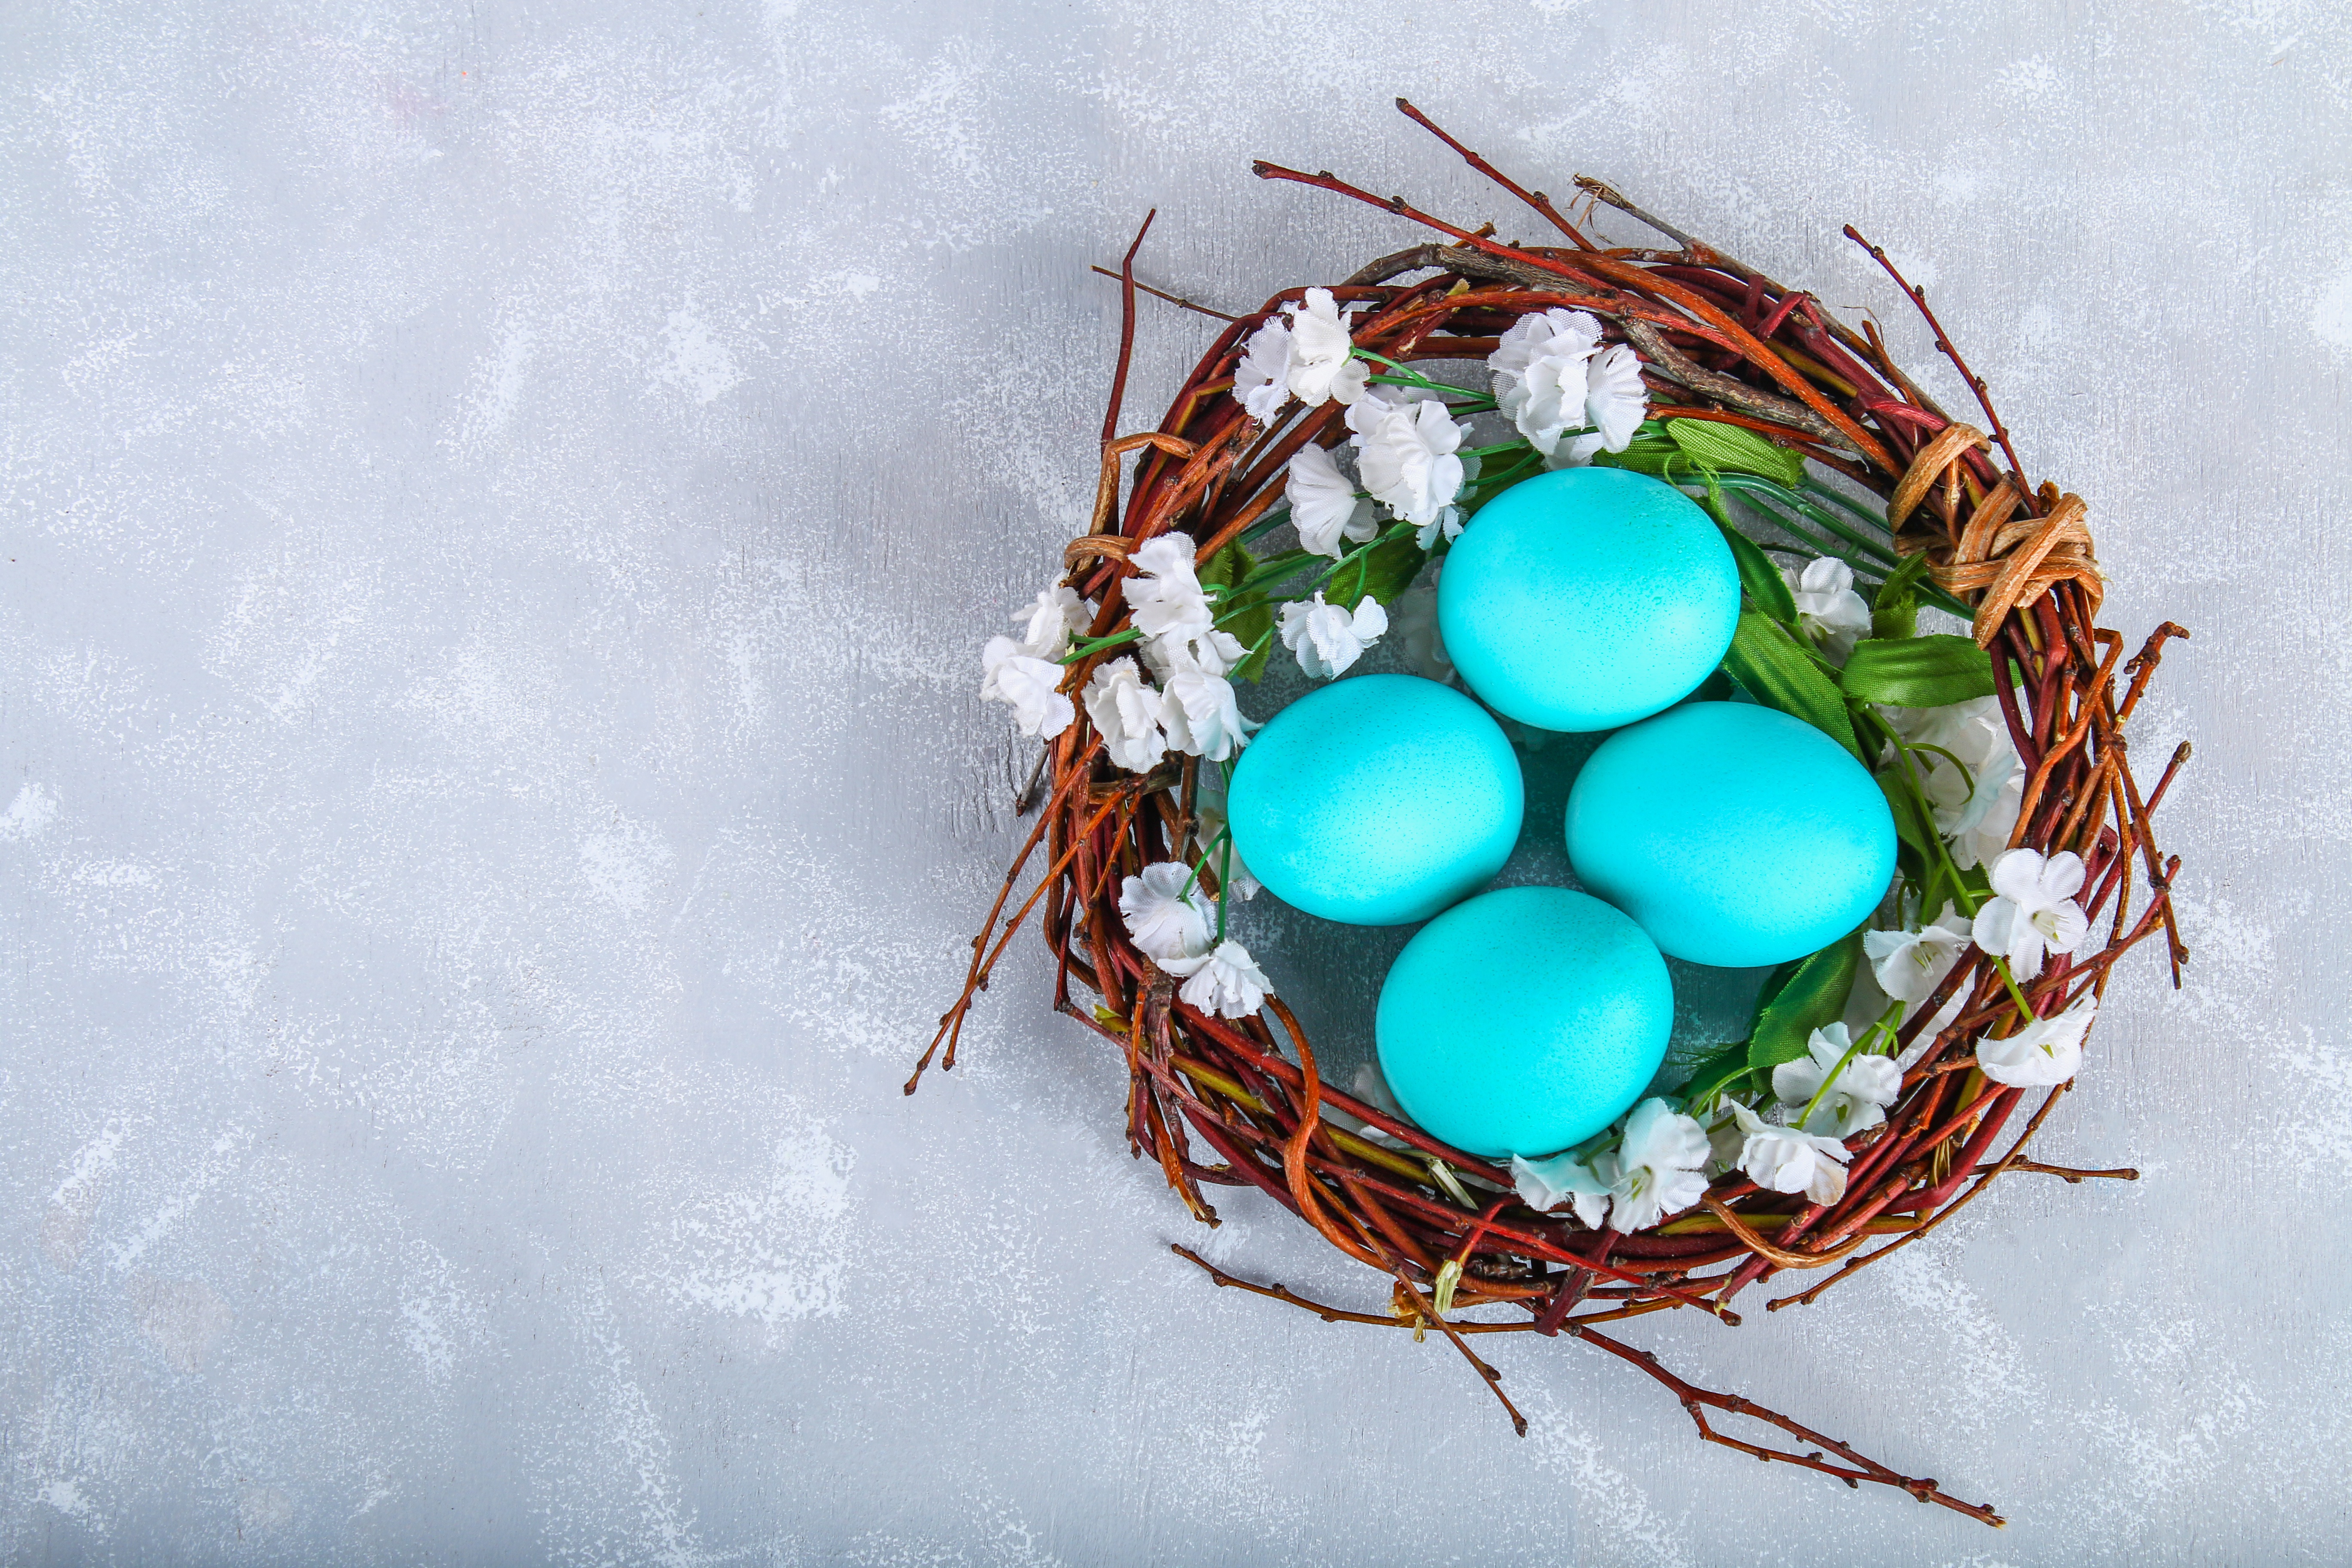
<point x="1721" y="341"/>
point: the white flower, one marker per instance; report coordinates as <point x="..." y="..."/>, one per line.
<point x="1545" y="1184"/>
<point x="1262" y="379"/>
<point x="1540" y="374"/>
<point x="1126" y="713"/>
<point x="1199" y="713"/>
<point x="1784" y="1160"/>
<point x="1322" y="356"/>
<point x="1968" y="762"/>
<point x="1326" y="639"/>
<point x="1029" y="685"/>
<point x="2046" y="1051"/>
<point x="1988" y="839"/>
<point x="1408" y="462"/>
<point x="1166" y="595"/>
<point x="1829" y="611"/>
<point x="1222" y="980"/>
<point x="1660" y="1168"/>
<point x="2034" y="910"/>
<point x="1324" y="505"/>
<point x="1615" y="401"/>
<point x="1910" y="964"/>
<point x="1049" y="623"/>
<point x="1166" y="920"/>
<point x="1724" y="1138"/>
<point x="1858" y="1093"/>
<point x="1413" y="620"/>
<point x="1211" y="650"/>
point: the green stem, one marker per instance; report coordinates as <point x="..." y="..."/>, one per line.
<point x="2025" y="1013"/>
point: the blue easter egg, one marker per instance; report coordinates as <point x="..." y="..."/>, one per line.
<point x="1377" y="801"/>
<point x="1588" y="598"/>
<point x="1736" y="834"/>
<point x="1524" y="1020"/>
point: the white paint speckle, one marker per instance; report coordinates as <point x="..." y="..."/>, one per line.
<point x="28" y="814"/>
<point x="697" y="365"/>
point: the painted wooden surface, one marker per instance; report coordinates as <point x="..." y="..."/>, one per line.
<point x="501" y="503"/>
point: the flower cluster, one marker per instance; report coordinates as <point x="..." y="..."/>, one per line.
<point x="1308" y="355"/>
<point x="1657" y="1167"/>
<point x="1967" y="769"/>
<point x="1171" y="924"/>
<point x="1193" y="708"/>
<point x="1553" y="379"/>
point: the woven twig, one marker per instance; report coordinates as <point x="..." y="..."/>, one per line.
<point x="1719" y="340"/>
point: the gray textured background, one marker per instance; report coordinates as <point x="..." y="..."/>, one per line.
<point x="501" y="502"/>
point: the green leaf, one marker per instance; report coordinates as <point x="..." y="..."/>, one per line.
<point x="1909" y="826"/>
<point x="1250" y="618"/>
<point x="1894" y="604"/>
<point x="1650" y="453"/>
<point x="1229" y="568"/>
<point x="1383" y="571"/>
<point x="1758" y="578"/>
<point x="1917" y="672"/>
<point x="1809" y="993"/>
<point x="1780" y="672"/>
<point x="1731" y="449"/>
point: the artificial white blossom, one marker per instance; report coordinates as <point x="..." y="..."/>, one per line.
<point x="1214" y="651"/>
<point x="1262" y="379"/>
<point x="1787" y="1160"/>
<point x="1224" y="980"/>
<point x="1324" y="505"/>
<point x="1413" y="620"/>
<point x="1614" y="403"/>
<point x="1326" y="639"/>
<point x="1541" y="372"/>
<point x="1659" y="1168"/>
<point x="1307" y="355"/>
<point x="1126" y="714"/>
<point x="1167" y="913"/>
<point x="1829" y="612"/>
<point x="1965" y="762"/>
<point x="1409" y="461"/>
<point x="1049" y="622"/>
<point x="1323" y="365"/>
<point x="1858" y="1093"/>
<point x="2044" y="1052"/>
<point x="2033" y="909"/>
<point x="1910" y="964"/>
<point x="1988" y="839"/>
<point x="1545" y="1184"/>
<point x="1165" y="593"/>
<point x="1029" y="685"/>
<point x="1200" y="715"/>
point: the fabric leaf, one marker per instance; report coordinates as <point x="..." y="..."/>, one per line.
<point x="1917" y="672"/>
<point x="1780" y="672"/>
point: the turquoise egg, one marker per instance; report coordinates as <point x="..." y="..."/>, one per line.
<point x="1735" y="835"/>
<point x="1588" y="598"/>
<point x="1377" y="801"/>
<point x="1524" y="1020"/>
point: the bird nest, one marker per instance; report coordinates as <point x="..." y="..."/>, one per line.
<point x="1937" y="509"/>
